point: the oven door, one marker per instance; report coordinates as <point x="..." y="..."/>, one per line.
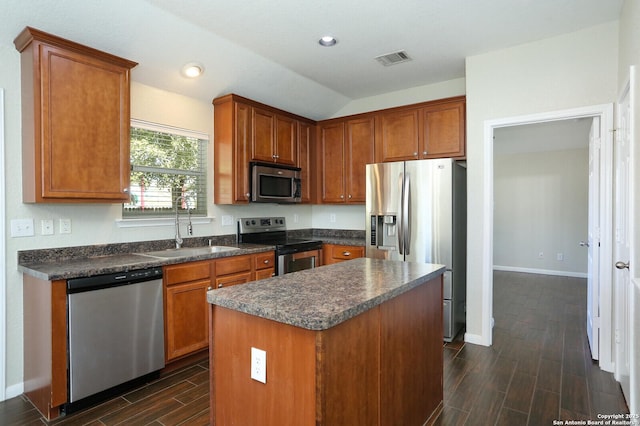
<point x="298" y="261"/>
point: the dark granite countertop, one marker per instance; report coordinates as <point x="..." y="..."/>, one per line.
<point x="320" y="298"/>
<point x="84" y="261"/>
<point x="113" y="263"/>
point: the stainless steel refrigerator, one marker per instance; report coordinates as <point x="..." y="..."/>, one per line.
<point x="417" y="212"/>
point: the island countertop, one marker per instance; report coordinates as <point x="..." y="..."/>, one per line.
<point x="320" y="298"/>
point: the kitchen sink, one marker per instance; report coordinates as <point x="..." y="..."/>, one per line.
<point x="188" y="251"/>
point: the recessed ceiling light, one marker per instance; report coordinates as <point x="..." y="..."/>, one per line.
<point x="327" y="41"/>
<point x="192" y="70"/>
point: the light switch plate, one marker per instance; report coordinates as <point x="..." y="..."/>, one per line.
<point x="227" y="220"/>
<point x="22" y="228"/>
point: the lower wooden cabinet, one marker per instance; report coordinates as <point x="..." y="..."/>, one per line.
<point x="334" y="253"/>
<point x="185" y="289"/>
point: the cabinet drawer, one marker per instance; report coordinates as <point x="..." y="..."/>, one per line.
<point x="233" y="265"/>
<point x="265" y="273"/>
<point x="187" y="272"/>
<point x="346" y="252"/>
<point x="265" y="260"/>
<point x="234" y="279"/>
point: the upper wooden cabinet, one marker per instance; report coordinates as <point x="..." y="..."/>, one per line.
<point x="75" y="121"/>
<point x="274" y="137"/>
<point x="244" y="131"/>
<point x="430" y="130"/>
<point x="346" y="147"/>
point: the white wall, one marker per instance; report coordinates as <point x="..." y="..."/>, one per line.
<point x="429" y="92"/>
<point x="541" y="205"/>
<point x="564" y="72"/>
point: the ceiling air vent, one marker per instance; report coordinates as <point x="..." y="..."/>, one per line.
<point x="393" y="58"/>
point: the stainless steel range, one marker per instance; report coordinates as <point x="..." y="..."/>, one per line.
<point x="292" y="254"/>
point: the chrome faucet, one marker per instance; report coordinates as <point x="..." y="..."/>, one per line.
<point x="189" y="225"/>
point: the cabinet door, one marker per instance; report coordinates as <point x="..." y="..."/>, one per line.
<point x="264" y="260"/>
<point x="286" y="150"/>
<point x="234" y="279"/>
<point x="243" y="139"/>
<point x="332" y="167"/>
<point x="263" y="133"/>
<point x="397" y="135"/>
<point x="85" y="128"/>
<point x="360" y="152"/>
<point x="444" y="130"/>
<point x="186" y="318"/>
<point x="305" y="134"/>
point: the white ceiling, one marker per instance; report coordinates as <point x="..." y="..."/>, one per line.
<point x="268" y="50"/>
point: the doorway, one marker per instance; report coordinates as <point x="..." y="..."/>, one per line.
<point x="605" y="114"/>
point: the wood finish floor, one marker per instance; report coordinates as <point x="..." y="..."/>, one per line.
<point x="539" y="369"/>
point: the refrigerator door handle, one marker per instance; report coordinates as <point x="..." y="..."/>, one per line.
<point x="406" y="210"/>
<point x="401" y="215"/>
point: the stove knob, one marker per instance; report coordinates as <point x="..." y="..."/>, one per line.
<point x="253" y="222"/>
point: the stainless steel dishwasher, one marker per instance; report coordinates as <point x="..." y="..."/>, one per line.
<point x="115" y="332"/>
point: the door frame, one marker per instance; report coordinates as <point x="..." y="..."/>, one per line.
<point x="3" y="261"/>
<point x="605" y="112"/>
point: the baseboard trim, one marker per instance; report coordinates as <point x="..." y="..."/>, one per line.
<point x="540" y="271"/>
<point x="14" y="390"/>
<point x="474" y="339"/>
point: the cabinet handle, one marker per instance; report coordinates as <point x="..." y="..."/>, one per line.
<point x="125" y="190"/>
<point x="346" y="253"/>
<point x="415" y="154"/>
<point x="266" y="262"/>
<point x="220" y="285"/>
<point x="424" y="152"/>
<point x="350" y="196"/>
<point x="209" y="288"/>
<point x="342" y="197"/>
<point x="248" y="194"/>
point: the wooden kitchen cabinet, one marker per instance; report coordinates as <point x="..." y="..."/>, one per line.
<point x="274" y="137"/>
<point x="264" y="265"/>
<point x="443" y="131"/>
<point x="186" y="287"/>
<point x="232" y="136"/>
<point x="244" y="131"/>
<point x="75" y="121"/>
<point x="346" y="147"/>
<point x="397" y="135"/>
<point x="430" y="130"/>
<point x="334" y="253"/>
<point x="306" y="156"/>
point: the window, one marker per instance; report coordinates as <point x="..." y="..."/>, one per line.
<point x="168" y="167"/>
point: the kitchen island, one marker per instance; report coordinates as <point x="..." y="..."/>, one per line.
<point x="358" y="342"/>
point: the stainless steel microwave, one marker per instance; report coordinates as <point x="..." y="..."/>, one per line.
<point x="275" y="183"/>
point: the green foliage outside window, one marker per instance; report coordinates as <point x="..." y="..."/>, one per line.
<point x="164" y="167"/>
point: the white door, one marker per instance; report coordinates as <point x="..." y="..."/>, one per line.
<point x="593" y="241"/>
<point x="623" y="292"/>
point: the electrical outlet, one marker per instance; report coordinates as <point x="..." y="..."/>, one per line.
<point x="259" y="365"/>
<point x="560" y="257"/>
<point x="227" y="220"/>
<point x="65" y="226"/>
<point x="541" y="255"/>
<point x="296" y="218"/>
<point x="22" y="228"/>
<point x="46" y="226"/>
<point x="332" y="218"/>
